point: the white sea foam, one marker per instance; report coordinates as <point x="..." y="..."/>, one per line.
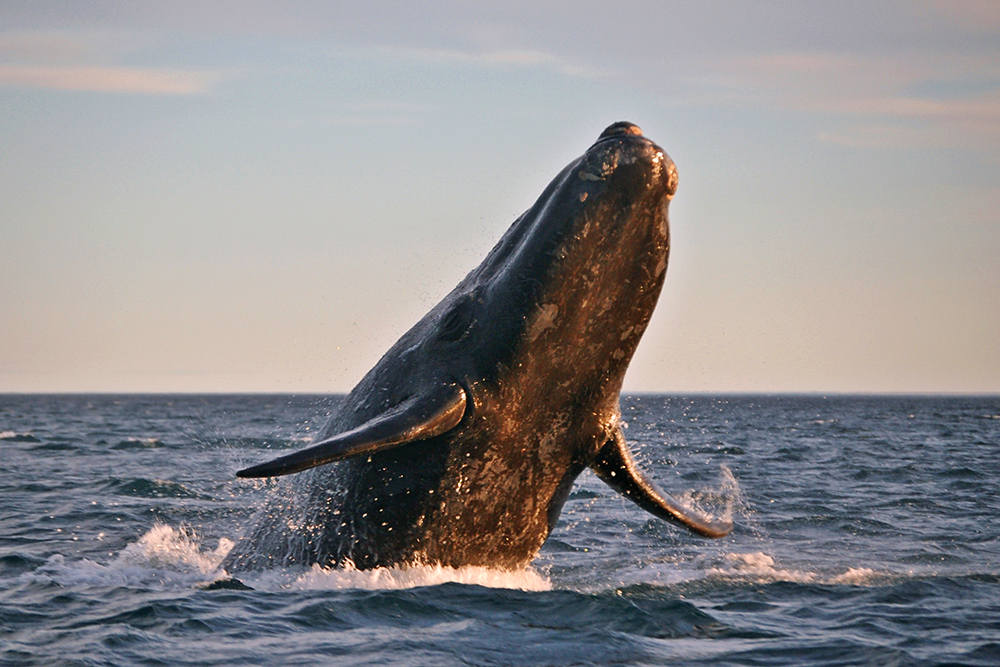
<point x="143" y="442"/>
<point x="762" y="568"/>
<point x="757" y="566"/>
<point x="15" y="436"/>
<point x="415" y="576"/>
<point x="857" y="576"/>
<point x="169" y="557"/>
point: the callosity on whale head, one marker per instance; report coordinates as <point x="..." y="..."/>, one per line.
<point x="461" y="445"/>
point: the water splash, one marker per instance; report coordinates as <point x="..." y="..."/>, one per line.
<point x="167" y="557"/>
<point x="172" y="548"/>
<point x="720" y="501"/>
<point x="415" y="576"/>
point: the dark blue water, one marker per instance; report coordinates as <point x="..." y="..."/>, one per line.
<point x="867" y="533"/>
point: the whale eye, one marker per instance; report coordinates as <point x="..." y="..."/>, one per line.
<point x="457" y="320"/>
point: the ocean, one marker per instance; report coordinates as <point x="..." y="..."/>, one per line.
<point x="867" y="532"/>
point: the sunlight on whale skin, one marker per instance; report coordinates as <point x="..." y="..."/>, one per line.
<point x="460" y="447"/>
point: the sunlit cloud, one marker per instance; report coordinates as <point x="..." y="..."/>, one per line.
<point x="147" y="81"/>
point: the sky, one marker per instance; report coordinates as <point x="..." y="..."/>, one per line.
<point x="263" y="196"/>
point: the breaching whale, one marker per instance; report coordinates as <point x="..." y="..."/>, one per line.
<point x="462" y="444"/>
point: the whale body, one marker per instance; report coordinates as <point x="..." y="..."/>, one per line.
<point x="462" y="444"/>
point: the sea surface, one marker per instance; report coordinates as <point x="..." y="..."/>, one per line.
<point x="867" y="533"/>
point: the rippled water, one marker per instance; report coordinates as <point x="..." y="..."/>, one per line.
<point x="867" y="533"/>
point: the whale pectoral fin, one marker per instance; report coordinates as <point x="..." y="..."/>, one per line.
<point x="424" y="415"/>
<point x="616" y="466"/>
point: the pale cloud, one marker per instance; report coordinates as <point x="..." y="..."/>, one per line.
<point x="504" y="57"/>
<point x="893" y="95"/>
<point x="354" y="120"/>
<point x="89" y="61"/>
<point x="147" y="81"/>
<point x="823" y="77"/>
<point x="959" y="135"/>
<point x="987" y="109"/>
<point x="970" y="125"/>
<point x="70" y="47"/>
<point x="486" y="58"/>
<point x="372" y="113"/>
<point x="976" y="15"/>
<point x="43" y="47"/>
